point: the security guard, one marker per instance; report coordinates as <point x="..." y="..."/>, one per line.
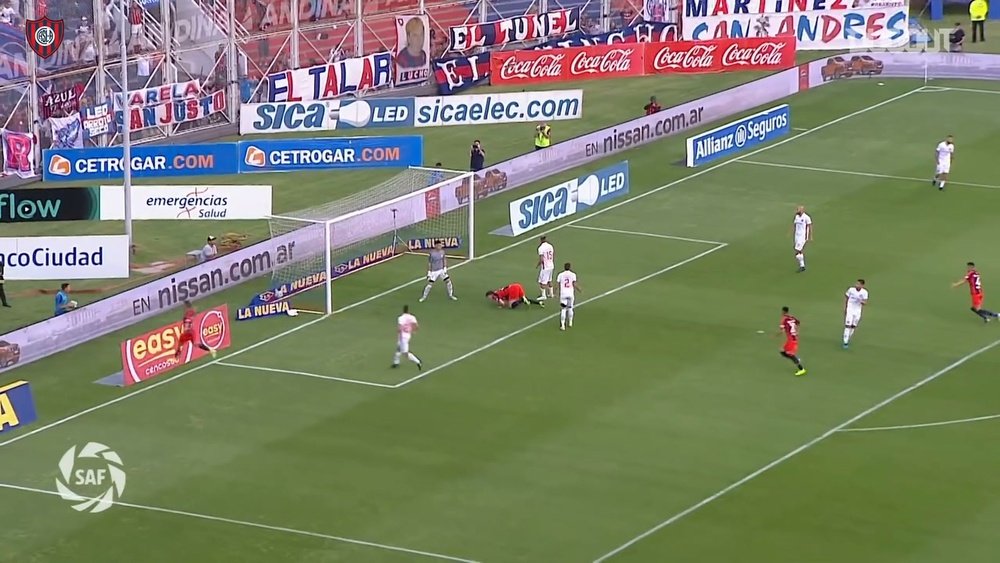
<point x="978" y="9"/>
<point x="543" y="136"/>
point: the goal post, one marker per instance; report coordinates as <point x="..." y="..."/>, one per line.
<point x="404" y="215"/>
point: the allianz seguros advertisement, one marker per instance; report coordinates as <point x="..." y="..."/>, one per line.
<point x="739" y="136"/>
<point x="563" y="200"/>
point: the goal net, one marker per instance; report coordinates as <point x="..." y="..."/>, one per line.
<point x="404" y="215"/>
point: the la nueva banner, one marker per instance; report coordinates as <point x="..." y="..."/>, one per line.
<point x="815" y="24"/>
<point x="638" y="59"/>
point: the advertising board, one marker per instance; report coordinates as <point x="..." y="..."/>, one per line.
<point x="287" y="155"/>
<point x="739" y="136"/>
<point x="65" y="258"/>
<point x="35" y="205"/>
<point x="175" y="202"/>
<point x="561" y="201"/>
<point x="148" y="161"/>
<point x="17" y="406"/>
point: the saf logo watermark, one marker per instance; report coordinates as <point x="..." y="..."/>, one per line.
<point x="92" y="477"/>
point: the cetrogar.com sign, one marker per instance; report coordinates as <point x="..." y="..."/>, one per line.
<point x="65" y="258"/>
<point x="739" y="136"/>
<point x="187" y="202"/>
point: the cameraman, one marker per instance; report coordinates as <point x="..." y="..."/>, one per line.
<point x="477" y="157"/>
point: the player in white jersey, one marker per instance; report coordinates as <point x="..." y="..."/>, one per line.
<point x="945" y="151"/>
<point x="854" y="304"/>
<point x="546" y="264"/>
<point x="802" y="228"/>
<point x="406" y="325"/>
<point x="568" y="289"/>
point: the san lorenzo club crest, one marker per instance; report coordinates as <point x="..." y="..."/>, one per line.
<point x="44" y="36"/>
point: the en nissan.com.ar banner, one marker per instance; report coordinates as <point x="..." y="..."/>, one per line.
<point x="816" y="24"/>
<point x="637" y="59"/>
<point x="289" y="155"/>
<point x="154" y="353"/>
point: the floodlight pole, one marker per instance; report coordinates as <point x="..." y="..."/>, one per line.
<point x="126" y="130"/>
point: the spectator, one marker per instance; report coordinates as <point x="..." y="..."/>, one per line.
<point x="477" y="157"/>
<point x="7" y="13"/>
<point x="978" y="9"/>
<point x="63" y="302"/>
<point x="652" y="107"/>
<point x="209" y="251"/>
<point x="957" y="39"/>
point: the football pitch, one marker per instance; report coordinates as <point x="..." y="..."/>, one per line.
<point x="662" y="427"/>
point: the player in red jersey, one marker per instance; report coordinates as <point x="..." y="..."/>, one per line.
<point x="512" y="296"/>
<point x="976" y="290"/>
<point x="187" y="332"/>
<point x="790" y="328"/>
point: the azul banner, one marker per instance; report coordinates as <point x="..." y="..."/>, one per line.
<point x="96" y="120"/>
<point x="148" y="161"/>
<point x="739" y="136"/>
<point x="287" y="155"/>
<point x="31" y="205"/>
<point x="186" y="202"/>
<point x="321" y="82"/>
<point x="429" y="111"/>
<point x="816" y="24"/>
<point x="17" y="405"/>
<point x="566" y="199"/>
<point x="156" y="352"/>
<point x="157" y="95"/>
<point x="172" y="113"/>
<point x="65" y="258"/>
<point x="529" y="27"/>
<point x="413" y="43"/>
<point x="453" y="75"/>
<point x="67" y="101"/>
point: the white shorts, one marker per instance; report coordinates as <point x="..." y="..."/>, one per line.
<point x="545" y="277"/>
<point x="403" y="345"/>
<point x="852" y="317"/>
<point x="567" y="300"/>
<point x="437" y="275"/>
<point x="943" y="167"/>
<point x="800" y="243"/>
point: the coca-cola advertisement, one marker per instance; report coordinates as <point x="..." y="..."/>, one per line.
<point x="721" y="55"/>
<point x="574" y="63"/>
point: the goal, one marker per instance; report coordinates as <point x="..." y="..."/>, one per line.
<point x="404" y="215"/>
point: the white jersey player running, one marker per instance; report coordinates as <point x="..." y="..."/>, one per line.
<point x="802" y="231"/>
<point x="546" y="265"/>
<point x="945" y="150"/>
<point x="406" y="325"/>
<point x="854" y="304"/>
<point x="568" y="289"/>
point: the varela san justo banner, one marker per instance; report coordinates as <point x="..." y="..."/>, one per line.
<point x="639" y="59"/>
<point x="155" y="353"/>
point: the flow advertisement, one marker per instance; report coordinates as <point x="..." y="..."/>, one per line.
<point x="563" y="200"/>
<point x="36" y="205"/>
<point x="739" y="136"/>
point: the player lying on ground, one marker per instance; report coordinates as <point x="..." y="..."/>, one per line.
<point x="976" y="290"/>
<point x="187" y="332"/>
<point x="511" y="297"/>
<point x="790" y="328"/>
<point x="945" y="150"/>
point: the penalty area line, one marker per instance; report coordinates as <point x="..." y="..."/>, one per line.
<point x="550" y="318"/>
<point x="806" y="446"/>
<point x="922" y="425"/>
<point x="862" y="174"/>
<point x="268" y="527"/>
<point x="307" y="374"/>
<point x="648" y="235"/>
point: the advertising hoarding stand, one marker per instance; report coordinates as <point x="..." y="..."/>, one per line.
<point x="126" y="130"/>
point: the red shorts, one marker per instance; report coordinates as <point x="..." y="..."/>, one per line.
<point x="515" y="292"/>
<point x="186" y="337"/>
<point x="977" y="300"/>
<point x="791" y="347"/>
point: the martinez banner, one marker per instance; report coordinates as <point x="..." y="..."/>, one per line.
<point x="413" y="45"/>
<point x="186" y="202"/>
<point x="321" y="82"/>
<point x="529" y="27"/>
<point x="816" y="24"/>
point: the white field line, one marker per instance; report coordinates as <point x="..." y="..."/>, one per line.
<point x="524" y="240"/>
<point x="863" y="174"/>
<point x="972" y="90"/>
<point x="840" y="427"/>
<point x="649" y="235"/>
<point x="923" y="425"/>
<point x="307" y="374"/>
<point x="553" y="316"/>
<point x="247" y="524"/>
<point x="799" y="129"/>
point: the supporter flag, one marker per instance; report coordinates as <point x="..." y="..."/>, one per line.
<point x="97" y="120"/>
<point x="413" y="45"/>
<point x="18" y="154"/>
<point x="66" y="101"/>
<point x="67" y="133"/>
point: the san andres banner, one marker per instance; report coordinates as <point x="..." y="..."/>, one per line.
<point x="18" y="154"/>
<point x="455" y="74"/>
<point x="816" y="24"/>
<point x="67" y="132"/>
<point x="326" y="81"/>
<point x="413" y="45"/>
<point x="173" y="113"/>
<point x="97" y="120"/>
<point x="529" y="27"/>
<point x="66" y="101"/>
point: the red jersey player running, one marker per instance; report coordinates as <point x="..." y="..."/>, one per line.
<point x="976" y="289"/>
<point x="511" y="296"/>
<point x="187" y="332"/>
<point x="790" y="328"/>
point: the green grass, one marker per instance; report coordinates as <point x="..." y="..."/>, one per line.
<point x="526" y="444"/>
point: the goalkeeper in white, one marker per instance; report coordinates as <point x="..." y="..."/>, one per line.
<point x="437" y="269"/>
